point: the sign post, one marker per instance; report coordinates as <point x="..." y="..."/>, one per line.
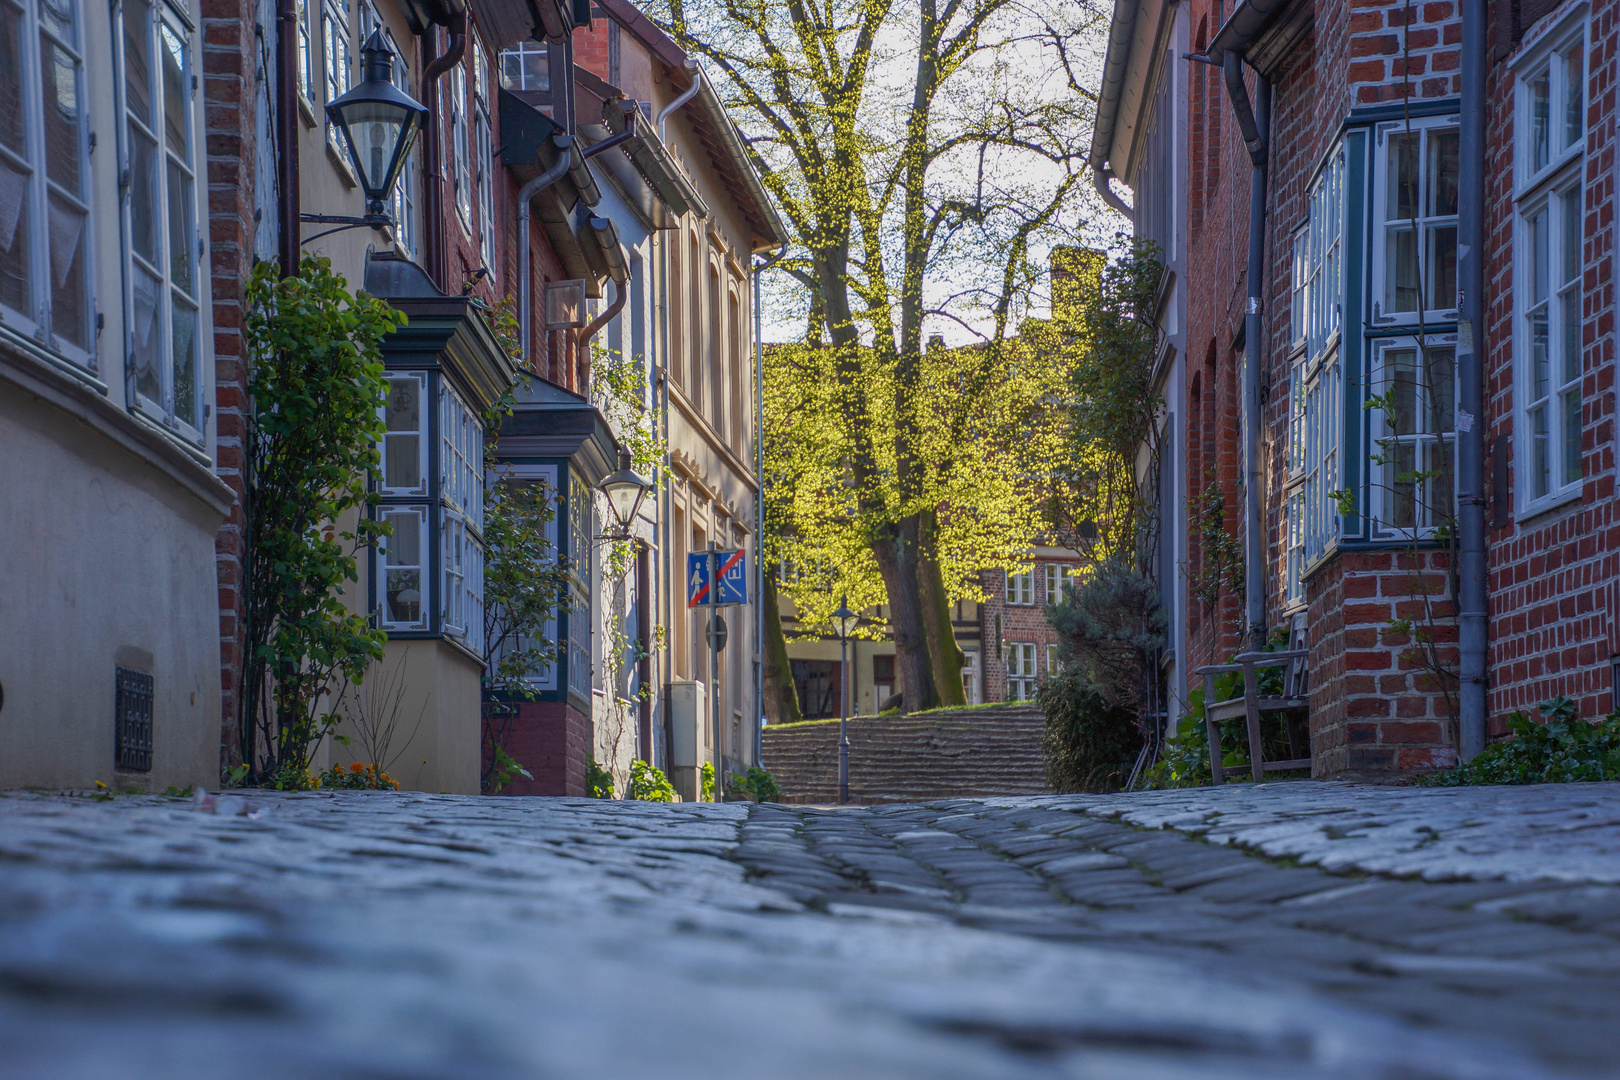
<point x="716" y="579"/>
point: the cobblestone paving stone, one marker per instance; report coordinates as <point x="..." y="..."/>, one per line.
<point x="1158" y="935"/>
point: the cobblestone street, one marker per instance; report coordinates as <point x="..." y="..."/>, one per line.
<point x="1282" y="931"/>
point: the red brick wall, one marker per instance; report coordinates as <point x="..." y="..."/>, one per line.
<point x="1552" y="576"/>
<point x="228" y="64"/>
<point x="553" y="741"/>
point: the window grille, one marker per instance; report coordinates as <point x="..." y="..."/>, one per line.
<point x="132" y="720"/>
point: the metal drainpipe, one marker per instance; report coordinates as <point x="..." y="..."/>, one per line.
<point x="1256" y="129"/>
<point x="759" y="511"/>
<point x="687" y="95"/>
<point x="525" y="196"/>
<point x="289" y="238"/>
<point x="432" y="150"/>
<point x="1472" y="611"/>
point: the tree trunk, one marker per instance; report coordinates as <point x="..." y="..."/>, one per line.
<point x="896" y="551"/>
<point x="944" y="656"/>
<point x="781" y="697"/>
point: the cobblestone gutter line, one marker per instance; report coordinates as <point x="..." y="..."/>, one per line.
<point x="382" y="935"/>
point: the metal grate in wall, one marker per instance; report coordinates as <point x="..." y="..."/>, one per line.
<point x="132" y="721"/>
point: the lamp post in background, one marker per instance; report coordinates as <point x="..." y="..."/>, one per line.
<point x="844" y="622"/>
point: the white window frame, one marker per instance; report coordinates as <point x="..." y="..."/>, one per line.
<point x="337" y="52"/>
<point x="970" y="676"/>
<point x="403" y="517"/>
<point x="1021" y="588"/>
<point x="460" y="168"/>
<point x="33" y="210"/>
<point x="1053" y="664"/>
<point x="1059" y="582"/>
<point x="1315" y="381"/>
<point x="1021" y="672"/>
<point x="1422" y="128"/>
<point x="518" y="54"/>
<point x="461" y="509"/>
<point x="484" y="160"/>
<point x="1431" y="506"/>
<point x="386" y="485"/>
<point x="1548" y="421"/>
<point x="306" y="54"/>
<point x="165" y="409"/>
<point x="550" y="678"/>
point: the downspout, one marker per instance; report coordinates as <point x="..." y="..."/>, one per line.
<point x="1472" y="610"/>
<point x="619" y="274"/>
<point x="687" y="95"/>
<point x="525" y="196"/>
<point x="287" y="201"/>
<point x="1116" y="63"/>
<point x="759" y="510"/>
<point x="1100" y="175"/>
<point x="433" y="150"/>
<point x="1255" y="127"/>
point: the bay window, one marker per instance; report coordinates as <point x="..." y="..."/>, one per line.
<point x="429" y="575"/>
<point x="44" y="171"/>
<point x="1314" y="377"/>
<point x="1415" y="215"/>
<point x="1549" y="213"/>
<point x="161" y="251"/>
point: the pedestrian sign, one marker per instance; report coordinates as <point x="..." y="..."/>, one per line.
<point x="733" y="579"/>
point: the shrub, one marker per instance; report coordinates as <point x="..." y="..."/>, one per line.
<point x="1564" y="749"/>
<point x="757" y="784"/>
<point x="598" y="781"/>
<point x="358" y="777"/>
<point x="707" y="794"/>
<point x="649" y="784"/>
<point x="1089" y="743"/>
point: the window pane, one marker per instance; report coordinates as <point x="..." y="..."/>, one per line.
<point x="143" y="206"/>
<point x="1400" y="272"/>
<point x="1442" y="389"/>
<point x="1574" y="121"/>
<point x="61" y="116"/>
<point x="1571" y="318"/>
<point x="1441" y="178"/>
<point x="404" y="410"/>
<point x="1539" y="373"/>
<point x="14" y="275"/>
<point x="1538" y="257"/>
<point x="59" y="17"/>
<point x="1540" y="468"/>
<point x="147" y="345"/>
<point x="1538" y="122"/>
<point x="180" y="229"/>
<point x="404" y="591"/>
<point x="1400" y="473"/>
<point x="175" y="126"/>
<point x="12" y="110"/>
<point x="70" y="297"/>
<point x="1403" y="396"/>
<point x="1572" y="436"/>
<point x="1402" y="198"/>
<point x="137" y="61"/>
<point x="185" y="363"/>
<point x="1442" y="260"/>
<point x="1570" y="211"/>
<point x="1441" y="483"/>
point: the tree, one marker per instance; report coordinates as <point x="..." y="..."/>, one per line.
<point x="914" y="201"/>
<point x="316" y="392"/>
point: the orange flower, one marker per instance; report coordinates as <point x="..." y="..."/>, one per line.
<point x="357" y="767"/>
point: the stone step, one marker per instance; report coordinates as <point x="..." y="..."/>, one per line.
<point x="919" y="758"/>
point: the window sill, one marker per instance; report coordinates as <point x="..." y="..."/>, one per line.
<point x="345" y="173"/>
<point x="1547" y="506"/>
<point x="306" y="109"/>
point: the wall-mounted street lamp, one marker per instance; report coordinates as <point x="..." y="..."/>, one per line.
<point x="379" y="123"/>
<point x="844" y="622"/>
<point x="625" y="489"/>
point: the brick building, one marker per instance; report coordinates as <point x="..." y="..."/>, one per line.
<point x="1357" y="332"/>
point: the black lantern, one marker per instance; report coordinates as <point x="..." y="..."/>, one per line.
<point x="844" y="620"/>
<point x="625" y="489"/>
<point x="379" y="123"/>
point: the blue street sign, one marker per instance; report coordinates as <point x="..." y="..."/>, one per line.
<point x="733" y="579"/>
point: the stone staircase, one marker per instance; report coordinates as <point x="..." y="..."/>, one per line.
<point x="943" y="754"/>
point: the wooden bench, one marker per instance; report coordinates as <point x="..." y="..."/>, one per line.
<point x="1295" y="698"/>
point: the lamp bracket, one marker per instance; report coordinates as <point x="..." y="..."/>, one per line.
<point x="375" y="221"/>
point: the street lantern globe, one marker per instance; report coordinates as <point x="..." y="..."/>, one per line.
<point x="625" y="489"/>
<point x="844" y="620"/>
<point x="379" y="123"/>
